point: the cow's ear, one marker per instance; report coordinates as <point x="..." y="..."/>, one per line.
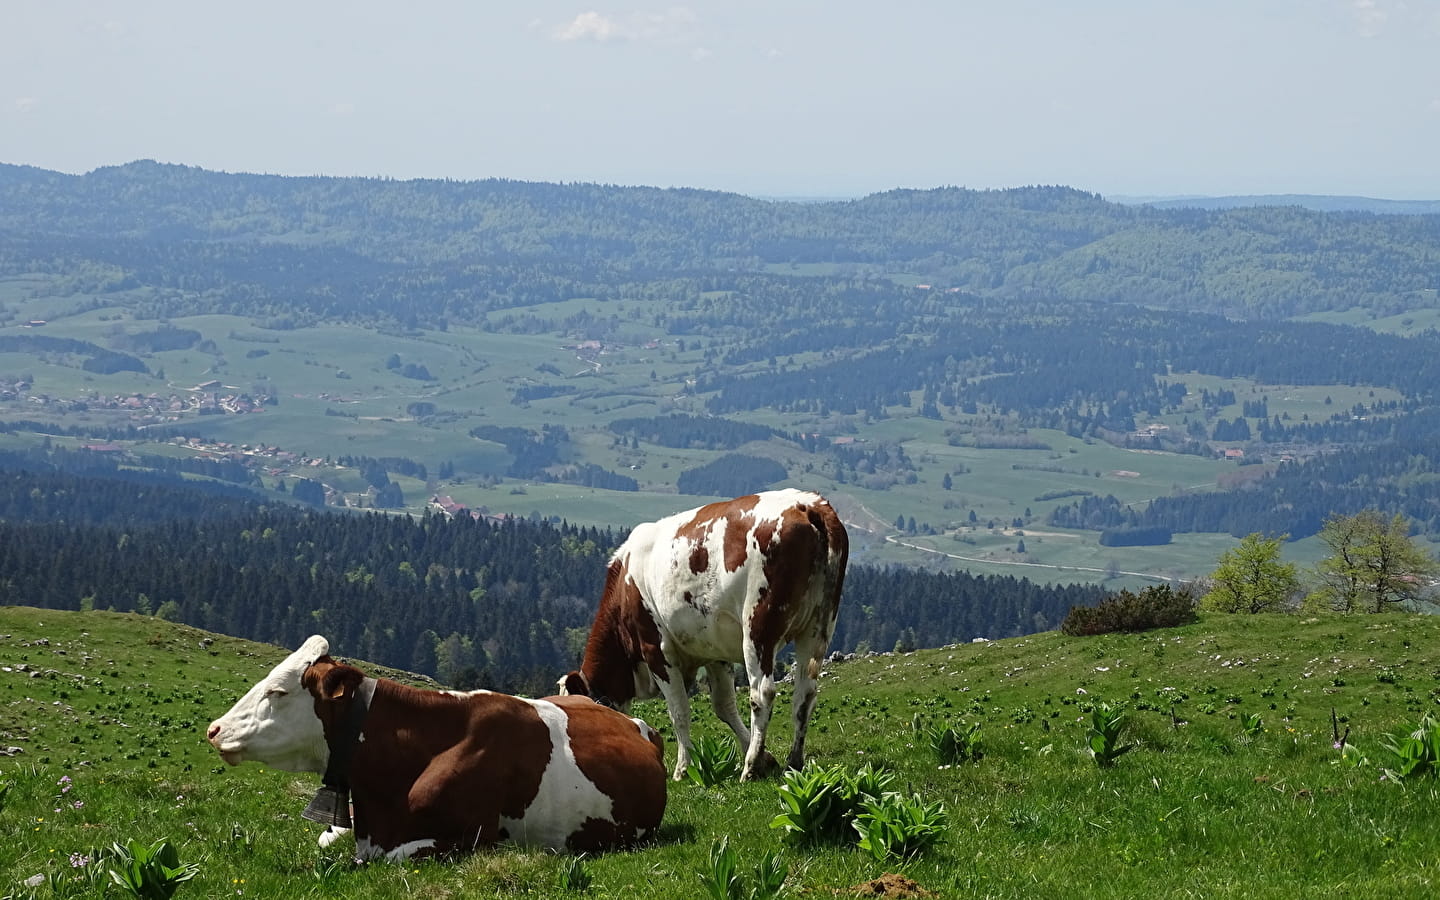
<point x="575" y="684"/>
<point x="337" y="682"/>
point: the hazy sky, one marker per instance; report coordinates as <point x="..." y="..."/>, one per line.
<point x="769" y="97"/>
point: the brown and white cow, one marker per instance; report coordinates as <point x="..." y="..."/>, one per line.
<point x="727" y="582"/>
<point x="434" y="772"/>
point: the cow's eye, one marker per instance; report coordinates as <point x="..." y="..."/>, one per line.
<point x="276" y="692"/>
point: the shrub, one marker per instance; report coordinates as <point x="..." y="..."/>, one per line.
<point x="1157" y="606"/>
<point x="895" y="826"/>
<point x="814" y="805"/>
<point x="954" y="745"/>
<point x="574" y="877"/>
<point x="150" y="873"/>
<point x="713" y="761"/>
<point x="821" y="803"/>
<point x="1415" y="755"/>
<point x="723" y="881"/>
<point x="1107" y="727"/>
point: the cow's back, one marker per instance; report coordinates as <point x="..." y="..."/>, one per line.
<point x="711" y="576"/>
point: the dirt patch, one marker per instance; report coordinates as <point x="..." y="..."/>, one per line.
<point x="890" y="885"/>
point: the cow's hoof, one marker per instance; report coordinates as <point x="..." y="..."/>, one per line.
<point x="764" y="766"/>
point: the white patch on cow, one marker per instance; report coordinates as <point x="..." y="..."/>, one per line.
<point x="365" y="850"/>
<point x="466" y="693"/>
<point x="645" y="730"/>
<point x="275" y="723"/>
<point x="566" y="797"/>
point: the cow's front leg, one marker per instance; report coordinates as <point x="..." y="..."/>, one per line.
<point x="677" y="703"/>
<point x="722" y="697"/>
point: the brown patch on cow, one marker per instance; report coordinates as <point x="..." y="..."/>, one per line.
<point x="764" y="536"/>
<point x="596" y="834"/>
<point x="642" y="625"/>
<point x="798" y="557"/>
<point x="699" y="558"/>
<point x="603" y="742"/>
<point x="412" y="783"/>
<point x="736" y="541"/>
<point x="333" y="686"/>
<point x="622" y="635"/>
<point x="889" y="885"/>
<point x="737" y="516"/>
<point x="574" y="683"/>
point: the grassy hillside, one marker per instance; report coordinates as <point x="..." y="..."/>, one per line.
<point x="1200" y="808"/>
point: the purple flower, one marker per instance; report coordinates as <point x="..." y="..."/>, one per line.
<point x="79" y="861"/>
<point x="78" y="803"/>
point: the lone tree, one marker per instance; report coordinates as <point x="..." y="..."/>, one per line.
<point x="1251" y="578"/>
<point x="1373" y="565"/>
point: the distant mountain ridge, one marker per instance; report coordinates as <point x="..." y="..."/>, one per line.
<point x="1316" y="202"/>
<point x="172" y="226"/>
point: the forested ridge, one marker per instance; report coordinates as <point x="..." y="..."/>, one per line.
<point x="506" y="243"/>
<point x="475" y="601"/>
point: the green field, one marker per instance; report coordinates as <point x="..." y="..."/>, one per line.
<point x="341" y="394"/>
<point x="1210" y="803"/>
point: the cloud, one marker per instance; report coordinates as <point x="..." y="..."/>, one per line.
<point x="25" y="104"/>
<point x="590" y="26"/>
<point x="1370" y="15"/>
<point x="673" y="25"/>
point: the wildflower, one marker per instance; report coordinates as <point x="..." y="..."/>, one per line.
<point x="79" y="860"/>
<point x="78" y="803"/>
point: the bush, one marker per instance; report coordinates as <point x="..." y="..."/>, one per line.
<point x="955" y="744"/>
<point x="723" y="881"/>
<point x="1415" y="755"/>
<point x="713" y="761"/>
<point x="1157" y="606"/>
<point x="821" y="803"/>
<point x="900" y="827"/>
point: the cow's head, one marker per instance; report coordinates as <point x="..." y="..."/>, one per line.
<point x="641" y="687"/>
<point x="573" y="683"/>
<point x="275" y="722"/>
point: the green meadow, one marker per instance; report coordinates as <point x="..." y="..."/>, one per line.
<point x="342" y="392"/>
<point x="1234" y="787"/>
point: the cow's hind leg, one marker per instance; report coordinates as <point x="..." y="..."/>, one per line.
<point x="762" y="704"/>
<point x="677" y="703"/>
<point x="807" y="670"/>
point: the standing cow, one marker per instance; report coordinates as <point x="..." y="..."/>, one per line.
<point x="434" y="772"/>
<point x="727" y="582"/>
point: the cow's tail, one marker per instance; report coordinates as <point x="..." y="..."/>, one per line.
<point x="830" y="563"/>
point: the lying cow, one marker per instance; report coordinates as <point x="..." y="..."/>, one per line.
<point x="433" y="772"/>
<point x="731" y="581"/>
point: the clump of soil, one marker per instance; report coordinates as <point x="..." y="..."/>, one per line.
<point x="890" y="885"/>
